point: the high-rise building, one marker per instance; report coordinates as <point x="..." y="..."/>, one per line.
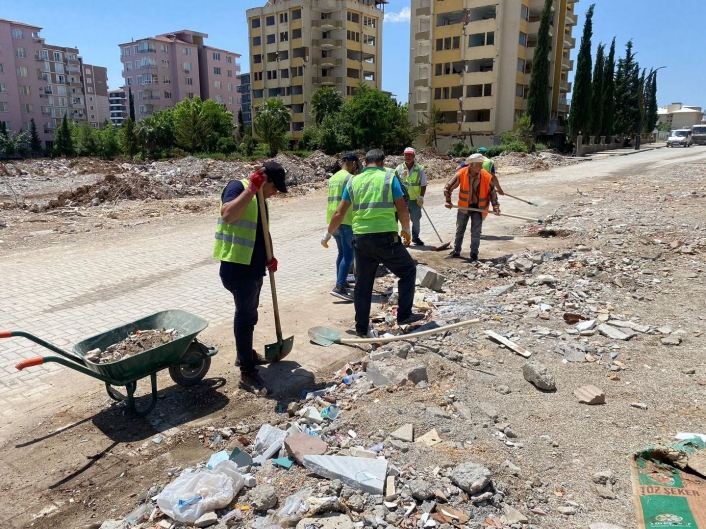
<point x="299" y="46"/>
<point x="38" y="81"/>
<point x="163" y="70"/>
<point x="95" y="86"/>
<point x="245" y="98"/>
<point x="472" y="60"/>
<point x="117" y="100"/>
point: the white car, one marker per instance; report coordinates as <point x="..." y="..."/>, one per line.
<point x="681" y="138"/>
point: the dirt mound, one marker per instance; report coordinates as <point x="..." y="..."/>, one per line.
<point x="113" y="188"/>
<point x="520" y="162"/>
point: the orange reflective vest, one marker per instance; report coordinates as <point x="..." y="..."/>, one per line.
<point x="464" y="193"/>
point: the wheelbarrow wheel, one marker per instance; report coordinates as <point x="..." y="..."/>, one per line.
<point x="193" y="368"/>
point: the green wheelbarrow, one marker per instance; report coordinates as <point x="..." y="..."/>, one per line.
<point x="187" y="359"/>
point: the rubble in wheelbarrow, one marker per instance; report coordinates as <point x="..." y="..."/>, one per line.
<point x="136" y="343"/>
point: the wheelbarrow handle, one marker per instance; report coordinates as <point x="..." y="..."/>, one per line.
<point x="43" y="343"/>
<point x="5" y="334"/>
<point x="30" y="363"/>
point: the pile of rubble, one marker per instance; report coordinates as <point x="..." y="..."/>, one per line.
<point x="136" y="343"/>
<point x="518" y="162"/>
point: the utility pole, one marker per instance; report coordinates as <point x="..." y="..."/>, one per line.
<point x="642" y="96"/>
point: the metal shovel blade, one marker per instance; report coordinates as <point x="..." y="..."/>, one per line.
<point x="275" y="352"/>
<point x="324" y="336"/>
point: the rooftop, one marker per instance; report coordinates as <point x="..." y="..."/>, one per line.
<point x="14" y="23"/>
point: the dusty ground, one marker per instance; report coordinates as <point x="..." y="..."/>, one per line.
<point x="627" y="245"/>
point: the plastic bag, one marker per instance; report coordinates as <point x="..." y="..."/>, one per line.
<point x="200" y="491"/>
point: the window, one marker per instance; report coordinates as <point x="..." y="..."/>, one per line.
<point x="490" y="38"/>
<point x="230" y="73"/>
<point x="256" y="41"/>
<point x="2" y="68"/>
<point x="187" y="51"/>
<point x="369" y="40"/>
<point x="190" y="95"/>
<point x="523" y="39"/>
<point x="521" y="65"/>
<point x="22" y="71"/>
<point x="165" y="64"/>
<point x="353" y="35"/>
<point x="63" y="102"/>
<point x="296" y="33"/>
<point x="270" y="21"/>
<point x="4" y="107"/>
<point x="167" y="95"/>
<point x="216" y="56"/>
<point x="27" y="108"/>
<point x="61" y="90"/>
<point x="90" y="90"/>
<point x="164" y="48"/>
<point x="57" y="56"/>
<point x="255" y="23"/>
<point x="187" y="66"/>
<point x="217" y="70"/>
<point x="271" y="39"/>
<point x="257" y="58"/>
<point x="3" y="88"/>
<point x="284" y="36"/>
<point x="217" y="84"/>
<point x="126" y="51"/>
<point x="25" y="90"/>
<point x="20" y="52"/>
<point x="257" y="76"/>
<point x="283" y="18"/>
<point x="296" y="14"/>
<point x="189" y="81"/>
<point x="284" y="74"/>
<point x="229" y="59"/>
<point x="59" y="68"/>
<point x="446" y="44"/>
<point x="17" y="33"/>
<point x="230" y="86"/>
<point x="142" y="109"/>
<point x="297" y="71"/>
<point x="519" y="90"/>
<point x="271" y="74"/>
<point x="369" y="22"/>
<point x="353" y="17"/>
<point x="167" y="79"/>
<point x="230" y="100"/>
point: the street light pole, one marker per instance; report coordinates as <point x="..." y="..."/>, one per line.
<point x="642" y="92"/>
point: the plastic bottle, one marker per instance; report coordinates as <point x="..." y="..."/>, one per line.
<point x="350" y="378"/>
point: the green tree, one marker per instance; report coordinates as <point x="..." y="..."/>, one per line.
<point x="608" y="97"/>
<point x="131" y="103"/>
<point x="155" y="133"/>
<point x="241" y="124"/>
<point x="538" y="106"/>
<point x="580" y="113"/>
<point x="35" y="143"/>
<point x="641" y="102"/>
<point x="627" y="97"/>
<point x="220" y="124"/>
<point x="368" y="115"/>
<point x="325" y="102"/>
<point x="271" y="124"/>
<point x="84" y="139"/>
<point x="664" y="127"/>
<point x="63" y="142"/>
<point x="3" y="129"/>
<point x="11" y="144"/>
<point x="127" y="138"/>
<point x="651" y="95"/>
<point x="597" y="93"/>
<point x="190" y="127"/>
<point x="429" y="126"/>
<point x="108" y="145"/>
<point x="331" y="136"/>
<point x="401" y="133"/>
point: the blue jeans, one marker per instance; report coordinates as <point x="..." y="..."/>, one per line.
<point x="415" y="215"/>
<point x="344" y="260"/>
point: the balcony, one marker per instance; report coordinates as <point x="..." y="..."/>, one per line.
<point x="327" y="43"/>
<point x="571" y="18"/>
<point x="422" y="59"/>
<point x="424" y="8"/>
<point x="327" y="24"/>
<point x="564" y="86"/>
<point x="147" y="67"/>
<point x="147" y="50"/>
<point x="40" y="57"/>
<point x="569" y="42"/>
<point x="327" y="81"/>
<point x="151" y="96"/>
<point x="562" y="107"/>
<point x="422" y="35"/>
<point x="71" y="61"/>
<point x="567" y="64"/>
<point x="421" y="106"/>
<point x="328" y="62"/>
<point x="422" y="82"/>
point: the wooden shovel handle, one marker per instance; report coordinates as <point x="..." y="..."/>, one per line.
<point x="268" y="252"/>
<point x="540" y="221"/>
<point x="409" y="336"/>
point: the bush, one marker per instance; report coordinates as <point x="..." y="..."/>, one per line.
<point x="540" y="147"/>
<point x="460" y="149"/>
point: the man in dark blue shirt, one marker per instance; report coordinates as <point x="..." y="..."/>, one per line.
<point x="240" y="246"/>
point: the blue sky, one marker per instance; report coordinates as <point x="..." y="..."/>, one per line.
<point x="664" y="34"/>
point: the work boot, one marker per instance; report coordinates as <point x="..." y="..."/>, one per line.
<point x="259" y="359"/>
<point x="474" y="257"/>
<point x="253" y="383"/>
<point x="341" y="293"/>
<point x="417" y="241"/>
<point x="453" y="255"/>
<point x="412" y="318"/>
<point x="350" y="279"/>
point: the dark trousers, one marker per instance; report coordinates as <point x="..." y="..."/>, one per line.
<point x="476" y="219"/>
<point x="370" y="251"/>
<point x="246" y="294"/>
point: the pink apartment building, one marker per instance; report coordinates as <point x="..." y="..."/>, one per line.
<point x="163" y="70"/>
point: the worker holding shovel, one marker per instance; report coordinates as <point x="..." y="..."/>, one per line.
<point x="476" y="191"/>
<point x="414" y="178"/>
<point x="241" y="248"/>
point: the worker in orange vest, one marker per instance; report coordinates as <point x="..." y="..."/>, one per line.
<point x="476" y="190"/>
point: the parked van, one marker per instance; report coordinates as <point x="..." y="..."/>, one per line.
<point x="680" y="137"/>
<point x="698" y="134"/>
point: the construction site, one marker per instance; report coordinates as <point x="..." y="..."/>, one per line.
<point x="573" y="399"/>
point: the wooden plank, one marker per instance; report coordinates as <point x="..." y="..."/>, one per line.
<point x="509" y="344"/>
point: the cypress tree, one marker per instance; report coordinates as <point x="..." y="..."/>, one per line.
<point x="627" y="94"/>
<point x="131" y="99"/>
<point x="608" y="96"/>
<point x="597" y="93"/>
<point x="35" y="144"/>
<point x="580" y="113"/>
<point x="538" y="97"/>
<point x="652" y="116"/>
<point x="63" y="144"/>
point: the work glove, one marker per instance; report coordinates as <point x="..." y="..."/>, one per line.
<point x="257" y="179"/>
<point x="496" y="209"/>
<point x="325" y="239"/>
<point x="420" y="200"/>
<point x="448" y="205"/>
<point x="406" y="236"/>
<point x="272" y="265"/>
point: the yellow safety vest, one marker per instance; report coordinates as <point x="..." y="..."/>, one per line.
<point x="372" y="201"/>
<point x="336" y="185"/>
<point x="413" y="181"/>
<point x="235" y="241"/>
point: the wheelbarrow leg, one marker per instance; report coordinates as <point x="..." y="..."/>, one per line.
<point x="132" y="386"/>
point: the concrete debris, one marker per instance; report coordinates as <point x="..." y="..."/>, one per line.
<point x="513" y="516"/>
<point x="331" y="521"/>
<point x="404" y="433"/>
<point x="537" y="374"/>
<point x="300" y="445"/>
<point x="471" y="477"/>
<point x="590" y="395"/>
<point x="207" y="520"/>
<point x="367" y="475"/>
<point x="420" y="490"/>
<point x="670" y="340"/>
<point x="263" y="497"/>
<point x="430" y="438"/>
<point x="615" y="333"/>
<point x="430" y="278"/>
<point x="639" y="405"/>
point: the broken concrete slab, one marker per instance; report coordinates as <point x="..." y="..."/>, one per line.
<point x="267" y="436"/>
<point x="430" y="278"/>
<point x="357" y="451"/>
<point x="471" y="477"/>
<point x="513" y="516"/>
<point x="359" y="473"/>
<point x="430" y="438"/>
<point x="332" y="521"/>
<point x="590" y="395"/>
<point x="670" y="340"/>
<point x="300" y="445"/>
<point x="207" y="520"/>
<point x="585" y="325"/>
<point x="613" y="333"/>
<point x="404" y="433"/>
<point x="629" y="325"/>
<point x="500" y="291"/>
<point x="537" y="374"/>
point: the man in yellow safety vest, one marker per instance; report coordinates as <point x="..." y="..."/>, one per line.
<point x="414" y="177"/>
<point x="240" y="246"/>
<point x="375" y="195"/>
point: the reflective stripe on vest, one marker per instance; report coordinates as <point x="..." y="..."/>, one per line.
<point x="464" y="193"/>
<point x="413" y="181"/>
<point x="235" y="241"/>
<point x="373" y="202"/>
<point x="336" y="184"/>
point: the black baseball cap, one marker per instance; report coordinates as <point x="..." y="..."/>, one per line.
<point x="275" y="174"/>
<point x="350" y="157"/>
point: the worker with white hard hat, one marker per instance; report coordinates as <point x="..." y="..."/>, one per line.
<point x="414" y="178"/>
